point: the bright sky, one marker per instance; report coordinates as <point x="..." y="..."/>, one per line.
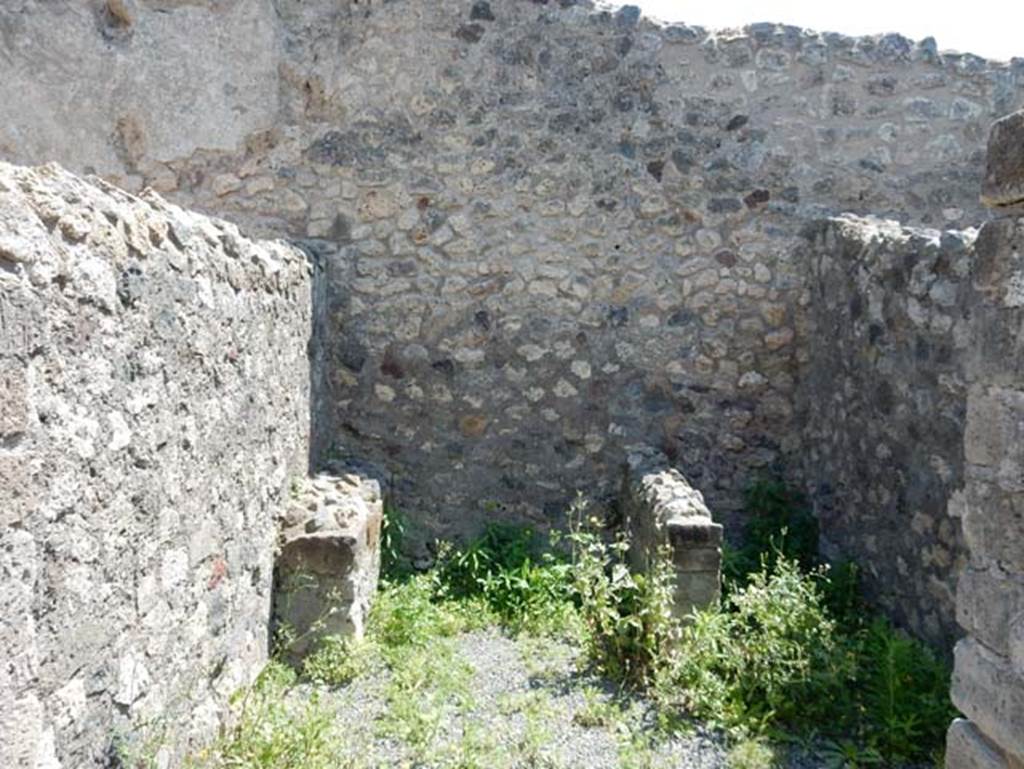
<point x="990" y="28"/>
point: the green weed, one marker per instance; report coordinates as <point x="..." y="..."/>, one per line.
<point x="751" y="753"/>
<point x="428" y="685"/>
<point x="525" y="587"/>
<point x="393" y="562"/>
<point x="337" y="661"/>
<point x="793" y="650"/>
<point x="271" y="732"/>
<point x="629" y="626"/>
<point x="791" y="653"/>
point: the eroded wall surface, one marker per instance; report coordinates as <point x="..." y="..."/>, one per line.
<point x="154" y="402"/>
<point x="884" y="399"/>
<point x="549" y="231"/>
<point x="585" y="236"/>
<point x="988" y="679"/>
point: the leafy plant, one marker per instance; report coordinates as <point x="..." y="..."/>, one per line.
<point x="428" y="683"/>
<point x="791" y="653"/>
<point x="596" y="710"/>
<point x="271" y="732"/>
<point x="905" y="694"/>
<point x="629" y="626"/>
<point x="794" y="649"/>
<point x="847" y="754"/>
<point x="779" y="522"/>
<point x="393" y="563"/>
<point x="337" y="661"/>
<point x="409" y="613"/>
<point x="769" y="656"/>
<point x="751" y="753"/>
<point x="525" y="588"/>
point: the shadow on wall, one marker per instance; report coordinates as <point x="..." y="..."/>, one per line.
<point x="319" y="372"/>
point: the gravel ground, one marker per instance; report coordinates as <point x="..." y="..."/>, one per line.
<point x="521" y="703"/>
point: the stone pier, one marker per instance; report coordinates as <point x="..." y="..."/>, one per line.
<point x="665" y="515"/>
<point x="988" y="680"/>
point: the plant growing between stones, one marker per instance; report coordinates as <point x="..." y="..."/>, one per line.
<point x="392" y="538"/>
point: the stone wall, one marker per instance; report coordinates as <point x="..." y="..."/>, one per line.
<point x="153" y="403"/>
<point x="883" y="399"/>
<point x="582" y="237"/>
<point x="665" y="516"/>
<point x="549" y="231"/>
<point x="988" y="679"/>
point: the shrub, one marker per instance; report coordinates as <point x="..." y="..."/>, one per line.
<point x="905" y="694"/>
<point x="628" y="621"/>
<point x="409" y="613"/>
<point x="794" y="647"/>
<point x="393" y="527"/>
<point x="779" y="522"/>
<point x="791" y="649"/>
<point x="769" y="656"/>
<point x="751" y="753"/>
<point x="526" y="589"/>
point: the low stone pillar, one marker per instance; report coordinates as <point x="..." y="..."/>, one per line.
<point x="988" y="676"/>
<point x="662" y="510"/>
<point x="329" y="560"/>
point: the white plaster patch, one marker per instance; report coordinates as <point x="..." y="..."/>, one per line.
<point x="1014" y="296"/>
<point x="174" y="568"/>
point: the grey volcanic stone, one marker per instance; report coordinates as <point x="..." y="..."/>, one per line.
<point x="327" y="572"/>
<point x="1004" y="166"/>
<point x="145" y="449"/>
<point x="967" y="748"/>
<point x="885" y="404"/>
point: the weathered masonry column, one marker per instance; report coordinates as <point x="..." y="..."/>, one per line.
<point x="663" y="510"/>
<point x="329" y="561"/>
<point x="988" y="680"/>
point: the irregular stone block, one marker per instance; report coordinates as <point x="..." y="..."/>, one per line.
<point x="662" y="510"/>
<point x="691" y="531"/>
<point x="989" y="603"/>
<point x="986" y="690"/>
<point x="1015" y="644"/>
<point x="967" y="748"/>
<point x="994" y="435"/>
<point x="998" y="269"/>
<point x="25" y="740"/>
<point x="1004" y="165"/>
<point x="696" y="559"/>
<point x="993" y="524"/>
<point x="329" y="562"/>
